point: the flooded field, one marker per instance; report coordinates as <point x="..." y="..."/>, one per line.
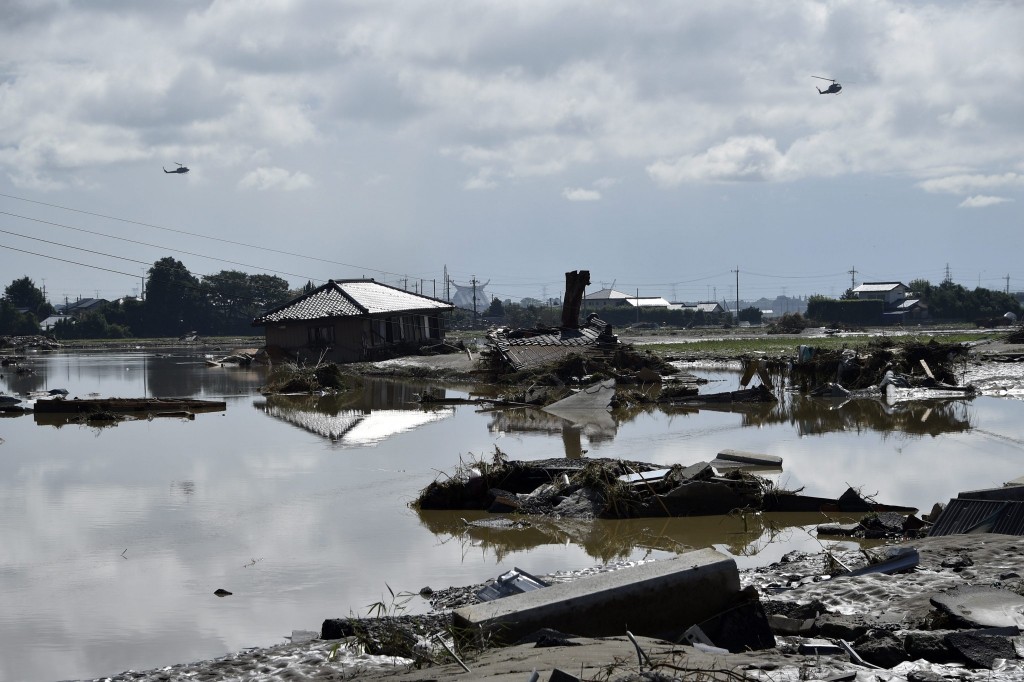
<point x="115" y="538"/>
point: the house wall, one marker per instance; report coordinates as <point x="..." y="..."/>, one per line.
<point x="353" y="339"/>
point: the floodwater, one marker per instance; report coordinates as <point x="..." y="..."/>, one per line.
<point x="115" y="538"/>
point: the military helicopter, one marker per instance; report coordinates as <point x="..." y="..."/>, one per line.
<point x="180" y="169"/>
<point x="830" y="90"/>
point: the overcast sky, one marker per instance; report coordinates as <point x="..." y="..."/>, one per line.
<point x="661" y="145"/>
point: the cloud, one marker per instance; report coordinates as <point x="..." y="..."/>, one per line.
<point x="581" y="194"/>
<point x="981" y="201"/>
<point x="750" y="158"/>
<point x="263" y="179"/>
<point x="964" y="184"/>
<point x="482" y="180"/>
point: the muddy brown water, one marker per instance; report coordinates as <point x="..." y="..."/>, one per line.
<point x="115" y="538"/>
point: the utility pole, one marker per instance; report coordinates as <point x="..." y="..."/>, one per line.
<point x="473" y="281"/>
<point x="853" y="273"/>
<point x="737" y="271"/>
<point x="1007" y="278"/>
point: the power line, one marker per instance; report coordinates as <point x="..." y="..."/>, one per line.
<point x="196" y="234"/>
<point x="141" y="243"/>
<point x="65" y="260"/>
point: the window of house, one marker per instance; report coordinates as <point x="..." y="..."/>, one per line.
<point x="320" y="336"/>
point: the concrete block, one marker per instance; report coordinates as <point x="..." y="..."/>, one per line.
<point x="654" y="599"/>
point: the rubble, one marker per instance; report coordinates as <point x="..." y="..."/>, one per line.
<point x="610" y="488"/>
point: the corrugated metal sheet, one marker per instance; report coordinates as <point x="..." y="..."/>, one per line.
<point x="350" y="297"/>
<point x="980" y="516"/>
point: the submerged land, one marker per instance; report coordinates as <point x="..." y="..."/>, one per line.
<point x="885" y="613"/>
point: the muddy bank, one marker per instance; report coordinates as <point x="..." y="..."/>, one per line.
<point x="890" y="622"/>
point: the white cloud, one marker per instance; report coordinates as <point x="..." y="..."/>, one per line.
<point x="264" y="178"/>
<point x="736" y="159"/>
<point x="981" y="201"/>
<point x="581" y="194"/>
<point x="553" y="100"/>
<point x="484" y="179"/>
<point x="965" y="183"/>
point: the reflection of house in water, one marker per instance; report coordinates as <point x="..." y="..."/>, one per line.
<point x="342" y="423"/>
<point x="598" y="426"/>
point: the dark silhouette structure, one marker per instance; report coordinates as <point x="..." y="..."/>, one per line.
<point x="830" y="90"/>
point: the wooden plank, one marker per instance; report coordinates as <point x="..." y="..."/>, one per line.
<point x="127" y="405"/>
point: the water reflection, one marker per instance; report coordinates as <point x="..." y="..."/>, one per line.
<point x="597" y="426"/>
<point x="809" y="416"/>
<point x="130" y="373"/>
<point x="264" y="506"/>
<point x="365" y="417"/>
<point x="742" y="535"/>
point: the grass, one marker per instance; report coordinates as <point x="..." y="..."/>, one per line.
<point x="204" y="341"/>
<point x="786" y="344"/>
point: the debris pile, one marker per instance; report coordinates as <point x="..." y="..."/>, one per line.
<point x="619" y="489"/>
<point x="907" y="365"/>
<point x="291" y="378"/>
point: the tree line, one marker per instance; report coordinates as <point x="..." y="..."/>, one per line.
<point x="947" y="302"/>
<point x="176" y="303"/>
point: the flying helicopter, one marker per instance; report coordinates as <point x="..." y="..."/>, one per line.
<point x="180" y="169"/>
<point x="830" y="90"/>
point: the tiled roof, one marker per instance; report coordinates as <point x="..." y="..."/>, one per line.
<point x="379" y="298"/>
<point x="348" y="298"/>
<point x="529" y="348"/>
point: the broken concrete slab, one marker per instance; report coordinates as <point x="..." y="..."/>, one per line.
<point x="982" y="648"/>
<point x="982" y="607"/>
<point x="755" y="458"/>
<point x="655" y="599"/>
<point x="743" y="627"/>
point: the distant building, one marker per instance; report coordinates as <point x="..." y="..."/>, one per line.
<point x="890" y="293"/>
<point x="81" y="306"/>
<point x="49" y="323"/>
<point x="706" y="307"/>
<point x="609" y="298"/>
<point x="354" y="320"/>
<point x="898" y="307"/>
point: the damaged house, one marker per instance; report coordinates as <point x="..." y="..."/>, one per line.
<point x="354" y="320"/>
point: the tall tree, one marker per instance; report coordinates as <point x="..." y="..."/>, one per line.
<point x="268" y="291"/>
<point x="173" y="301"/>
<point x="14" y="322"/>
<point x="23" y="293"/>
